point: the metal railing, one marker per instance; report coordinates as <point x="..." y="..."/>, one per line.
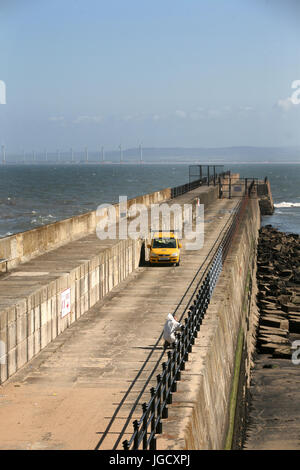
<point x="206" y="180"/>
<point x="230" y="188"/>
<point x="150" y="424"/>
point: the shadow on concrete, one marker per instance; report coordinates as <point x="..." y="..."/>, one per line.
<point x="151" y="348"/>
<point x="143" y="256"/>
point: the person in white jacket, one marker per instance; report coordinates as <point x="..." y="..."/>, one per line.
<point x="171" y="326"/>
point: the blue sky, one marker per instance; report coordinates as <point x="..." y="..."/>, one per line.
<point x="165" y="73"/>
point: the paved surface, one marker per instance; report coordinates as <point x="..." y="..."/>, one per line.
<point x="66" y="396"/>
<point x="275" y="405"/>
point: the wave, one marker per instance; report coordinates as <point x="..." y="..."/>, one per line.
<point x="287" y="204"/>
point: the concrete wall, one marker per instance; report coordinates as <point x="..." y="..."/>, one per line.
<point x="265" y="198"/>
<point x="31" y="324"/>
<point x="201" y="413"/>
<point x="24" y="246"/>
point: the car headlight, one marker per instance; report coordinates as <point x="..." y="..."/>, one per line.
<point x="153" y="255"/>
<point x="174" y="254"/>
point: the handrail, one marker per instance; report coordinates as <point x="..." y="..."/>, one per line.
<point x="184" y="188"/>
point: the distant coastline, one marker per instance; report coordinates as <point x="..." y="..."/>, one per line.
<point x="159" y="155"/>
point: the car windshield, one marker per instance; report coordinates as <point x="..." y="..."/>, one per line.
<point x="164" y="243"/>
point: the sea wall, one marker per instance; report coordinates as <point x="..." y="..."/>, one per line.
<point x="24" y="246"/>
<point x="203" y="411"/>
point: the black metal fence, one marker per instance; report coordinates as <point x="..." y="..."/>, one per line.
<point x="204" y="181"/>
<point x="233" y="187"/>
<point x="153" y="412"/>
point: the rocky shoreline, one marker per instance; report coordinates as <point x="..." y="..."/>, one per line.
<point x="273" y="406"/>
<point x="278" y="299"/>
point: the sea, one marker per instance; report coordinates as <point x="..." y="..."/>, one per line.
<point x="35" y="195"/>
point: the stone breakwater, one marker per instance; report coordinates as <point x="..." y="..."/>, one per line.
<point x="278" y="299"/>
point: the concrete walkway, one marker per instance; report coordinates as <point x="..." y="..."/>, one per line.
<point x="65" y="397"/>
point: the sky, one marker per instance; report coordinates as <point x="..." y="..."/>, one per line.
<point x="165" y="73"/>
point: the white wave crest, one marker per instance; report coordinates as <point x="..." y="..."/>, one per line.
<point x="287" y="204"/>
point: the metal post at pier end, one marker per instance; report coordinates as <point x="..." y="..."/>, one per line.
<point x="229" y="187"/>
<point x="220" y="188"/>
<point x="214" y="175"/>
<point x="207" y="175"/>
<point x="246" y="185"/>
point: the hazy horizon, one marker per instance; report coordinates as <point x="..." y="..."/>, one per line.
<point x="207" y="74"/>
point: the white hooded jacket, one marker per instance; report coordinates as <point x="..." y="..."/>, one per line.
<point x="171" y="326"/>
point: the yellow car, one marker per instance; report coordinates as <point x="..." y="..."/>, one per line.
<point x="164" y="248"/>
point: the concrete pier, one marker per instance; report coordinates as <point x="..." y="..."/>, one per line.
<point x="70" y="382"/>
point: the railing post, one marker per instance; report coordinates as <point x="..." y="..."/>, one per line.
<point x="158" y="429"/>
<point x="136" y="437"/>
<point x="153" y="427"/>
<point x="186" y="335"/>
<point x="125" y="445"/>
<point x="165" y="408"/>
<point x="177" y="357"/>
<point x="145" y="419"/>
<point x="169" y="401"/>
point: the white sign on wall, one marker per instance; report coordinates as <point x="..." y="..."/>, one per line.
<point x="65" y="302"/>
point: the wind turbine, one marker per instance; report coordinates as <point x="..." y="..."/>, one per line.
<point x="3" y="154"/>
<point x="141" y="153"/>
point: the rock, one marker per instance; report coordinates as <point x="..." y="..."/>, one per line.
<point x="266" y="304"/>
<point x="273" y="331"/>
<point x="294" y="324"/>
<point x="266" y="338"/>
<point x="278" y="299"/>
<point x="284" y="298"/>
<point x="271" y="320"/>
<point x="277" y="313"/>
<point x="282" y="352"/>
<point x="289" y="307"/>
<point x="268" y="348"/>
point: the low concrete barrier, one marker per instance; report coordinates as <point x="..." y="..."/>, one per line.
<point x="24" y="246"/>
